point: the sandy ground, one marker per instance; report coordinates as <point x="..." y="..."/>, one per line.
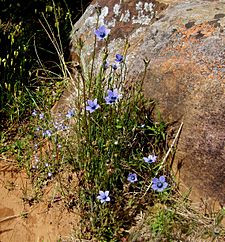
<point x="45" y="221"/>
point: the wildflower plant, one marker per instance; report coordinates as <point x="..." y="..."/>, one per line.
<point x="108" y="143"/>
<point x="102" y="138"/>
<point x="102" y="32"/>
<point x="103" y="196"/>
<point x="150" y="159"/>
<point x="119" y="58"/>
<point x="92" y="105"/>
<point x="132" y="177"/>
<point x="70" y="113"/>
<point x="114" y="66"/>
<point x="113" y="96"/>
<point x="46" y="145"/>
<point x="159" y="184"/>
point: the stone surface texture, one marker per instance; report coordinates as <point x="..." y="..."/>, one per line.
<point x="185" y="41"/>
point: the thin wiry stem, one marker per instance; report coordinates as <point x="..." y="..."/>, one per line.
<point x="93" y="58"/>
<point x="57" y="45"/>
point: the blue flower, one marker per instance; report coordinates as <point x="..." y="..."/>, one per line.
<point x="60" y="126"/>
<point x="103" y="196"/>
<point x="41" y="116"/>
<point x="102" y="32"/>
<point x="36" y="158"/>
<point x="150" y="159"/>
<point x="114" y="66"/>
<point x="119" y="58"/>
<point x="49" y="174"/>
<point x="34" y="113"/>
<point x="92" y="105"/>
<point x="70" y="113"/>
<point x="47" y="133"/>
<point x="132" y="177"/>
<point x="159" y="184"/>
<point x="112" y="97"/>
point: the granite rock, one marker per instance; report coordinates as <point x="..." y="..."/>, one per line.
<point x="185" y="42"/>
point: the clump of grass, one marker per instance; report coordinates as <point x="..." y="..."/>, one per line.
<point x="178" y="220"/>
<point x="20" y="31"/>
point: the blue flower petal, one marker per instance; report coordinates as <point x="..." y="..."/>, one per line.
<point x="162" y="179"/>
<point x="155" y="180"/>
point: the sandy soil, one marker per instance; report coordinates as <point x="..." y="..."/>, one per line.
<point x="46" y="221"/>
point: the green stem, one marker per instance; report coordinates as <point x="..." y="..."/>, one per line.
<point x="93" y="58"/>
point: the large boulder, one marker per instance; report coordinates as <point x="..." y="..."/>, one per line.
<point x="185" y="41"/>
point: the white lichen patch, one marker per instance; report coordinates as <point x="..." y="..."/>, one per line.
<point x="143" y="14"/>
<point x="141" y="17"/>
<point x="104" y="13"/>
<point x="148" y="7"/>
<point x="116" y="10"/>
<point x="92" y="20"/>
<point x="111" y="23"/>
<point x="139" y="6"/>
<point x="126" y="17"/>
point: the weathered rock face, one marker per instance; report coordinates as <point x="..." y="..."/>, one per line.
<point x="185" y="41"/>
